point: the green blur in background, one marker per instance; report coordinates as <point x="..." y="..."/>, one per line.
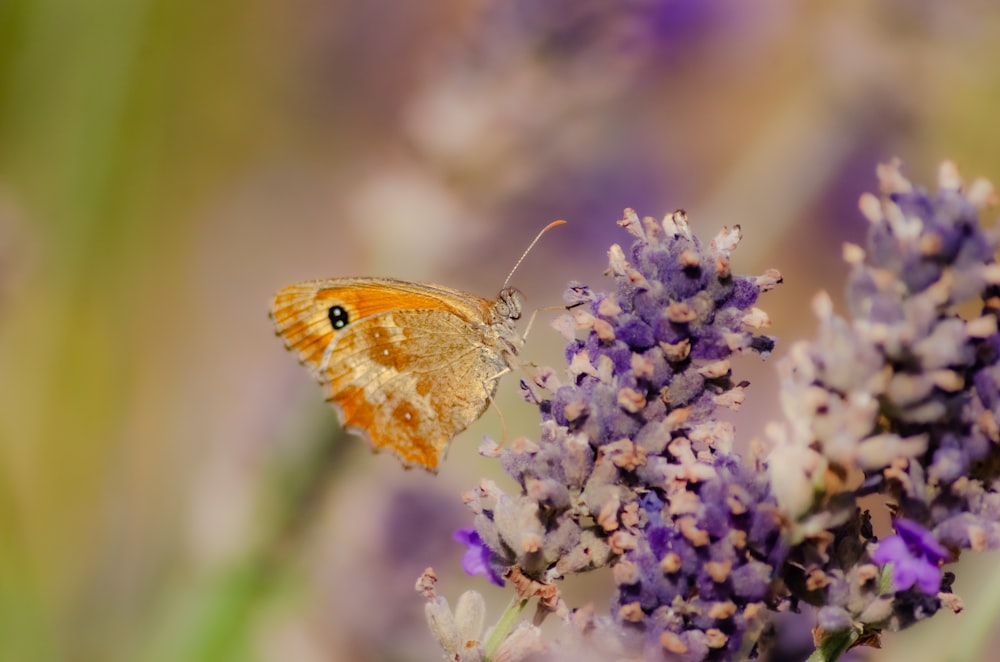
<point x="171" y="485"/>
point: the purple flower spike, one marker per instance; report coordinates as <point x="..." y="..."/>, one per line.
<point x="634" y="470"/>
<point x="916" y="556"/>
<point x="476" y="560"/>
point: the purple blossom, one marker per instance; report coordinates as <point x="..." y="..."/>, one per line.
<point x="476" y="560"/>
<point x="916" y="557"/>
<point x="634" y="471"/>
<point x="901" y="397"/>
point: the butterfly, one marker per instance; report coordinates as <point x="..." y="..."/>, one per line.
<point x="408" y="366"/>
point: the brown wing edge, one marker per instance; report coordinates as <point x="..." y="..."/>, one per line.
<point x="431" y="460"/>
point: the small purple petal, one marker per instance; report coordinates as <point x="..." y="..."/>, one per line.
<point x="476" y="560"/>
<point x="915" y="555"/>
<point x="920" y="540"/>
<point x="890" y="550"/>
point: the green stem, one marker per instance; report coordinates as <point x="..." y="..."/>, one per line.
<point x="213" y="621"/>
<point x="504" y="626"/>
<point x="833" y="646"/>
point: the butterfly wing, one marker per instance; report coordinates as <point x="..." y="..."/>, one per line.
<point x="409" y="366"/>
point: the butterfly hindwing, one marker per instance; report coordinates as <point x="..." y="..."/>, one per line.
<point x="410" y="383"/>
<point x="408" y="366"/>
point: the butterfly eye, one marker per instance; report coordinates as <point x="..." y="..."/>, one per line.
<point x="338" y="317"/>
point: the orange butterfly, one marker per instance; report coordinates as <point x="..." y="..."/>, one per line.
<point x="407" y="365"/>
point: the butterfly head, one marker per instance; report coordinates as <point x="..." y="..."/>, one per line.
<point x="508" y="305"/>
<point x="505" y="311"/>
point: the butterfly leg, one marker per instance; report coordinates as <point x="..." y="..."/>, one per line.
<point x="498" y="375"/>
<point x="527" y="328"/>
<point x="503" y="422"/>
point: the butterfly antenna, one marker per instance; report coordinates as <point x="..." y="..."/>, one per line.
<point x="530" y="246"/>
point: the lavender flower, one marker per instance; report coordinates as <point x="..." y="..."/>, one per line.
<point x="901" y="401"/>
<point x="634" y="472"/>
<point x="459" y="632"/>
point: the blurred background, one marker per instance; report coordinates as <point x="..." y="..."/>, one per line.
<point x="172" y="486"/>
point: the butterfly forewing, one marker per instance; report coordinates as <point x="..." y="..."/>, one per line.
<point x="302" y="321"/>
